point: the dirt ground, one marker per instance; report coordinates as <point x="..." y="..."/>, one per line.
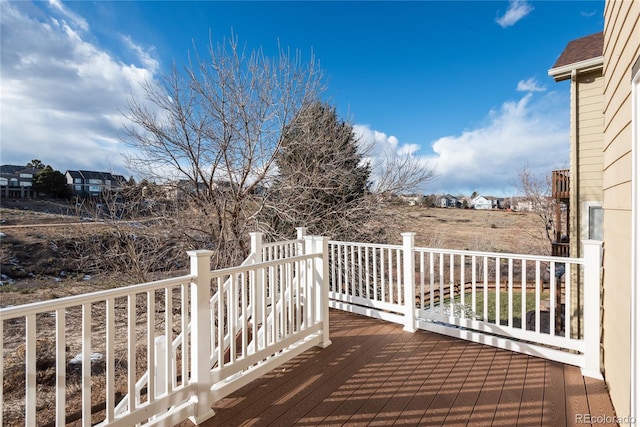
<point x="33" y="267"/>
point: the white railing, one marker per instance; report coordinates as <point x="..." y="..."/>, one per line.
<point x="279" y="250"/>
<point x="538" y="305"/>
<point x="163" y="356"/>
<point x="282" y="306"/>
<point x="164" y="351"/>
<point x="116" y="331"/>
<point x="365" y="279"/>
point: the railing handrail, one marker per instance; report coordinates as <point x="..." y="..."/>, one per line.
<point x="560" y="181"/>
<point x="465" y="252"/>
<point x="502" y="255"/>
<point x="365" y="245"/>
<point x="12" y="312"/>
<point x="283" y="243"/>
<point x="296" y="307"/>
<point x="265" y="264"/>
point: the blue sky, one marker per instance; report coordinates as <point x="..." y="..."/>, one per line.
<point x="461" y="85"/>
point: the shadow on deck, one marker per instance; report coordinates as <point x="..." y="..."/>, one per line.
<point x="374" y="373"/>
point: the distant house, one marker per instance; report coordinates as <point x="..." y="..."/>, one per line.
<point x="449" y="201"/>
<point x="412" y="199"/>
<point x="521" y="204"/>
<point x="465" y="202"/>
<point x="92" y="184"/>
<point x="486" y="202"/>
<point x="496" y="202"/>
<point x="16" y="182"/>
<point x="481" y="202"/>
<point x="180" y="190"/>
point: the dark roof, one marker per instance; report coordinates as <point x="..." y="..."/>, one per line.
<point x="86" y="175"/>
<point x="95" y="175"/>
<point x="581" y="49"/>
<point x="15" y="169"/>
<point x="120" y="179"/>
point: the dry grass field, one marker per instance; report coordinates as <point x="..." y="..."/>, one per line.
<point x="33" y="268"/>
<point x="475" y="230"/>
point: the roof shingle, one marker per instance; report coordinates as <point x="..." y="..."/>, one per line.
<point x="581" y="49"/>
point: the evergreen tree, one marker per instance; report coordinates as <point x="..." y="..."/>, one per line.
<point x="323" y="180"/>
<point x="36" y="164"/>
<point x="51" y="182"/>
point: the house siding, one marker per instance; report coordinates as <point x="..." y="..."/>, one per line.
<point x="621" y="48"/>
<point x="17" y="181"/>
<point x="586" y="154"/>
<point x="586" y="162"/>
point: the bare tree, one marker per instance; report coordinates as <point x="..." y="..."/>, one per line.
<point x="123" y="234"/>
<point x="215" y="127"/>
<point x="397" y="173"/>
<point x="536" y="190"/>
<point x="214" y="131"/>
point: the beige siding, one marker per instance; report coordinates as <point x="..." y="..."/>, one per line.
<point x="621" y="48"/>
<point x="587" y="139"/>
<point x="586" y="153"/>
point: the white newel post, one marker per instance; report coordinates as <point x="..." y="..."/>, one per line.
<point x="256" y="249"/>
<point x="201" y="334"/>
<point x="592" y="303"/>
<point x="409" y="282"/>
<point x="301" y="232"/>
<point x="321" y="285"/>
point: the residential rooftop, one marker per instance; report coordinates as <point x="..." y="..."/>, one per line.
<point x="583" y="52"/>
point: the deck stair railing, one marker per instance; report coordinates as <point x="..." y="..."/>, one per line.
<point x="171" y="348"/>
<point x="523" y="303"/>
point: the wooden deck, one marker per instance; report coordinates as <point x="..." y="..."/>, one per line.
<point x="374" y="373"/>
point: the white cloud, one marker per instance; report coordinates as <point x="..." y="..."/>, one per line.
<point x="382" y="150"/>
<point x="62" y="96"/>
<point x="532" y="132"/>
<point x="515" y="12"/>
<point x="377" y="143"/>
<point x="145" y="57"/>
<point x="77" y="20"/>
<point x="530" y="85"/>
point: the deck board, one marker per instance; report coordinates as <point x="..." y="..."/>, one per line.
<point x="598" y="400"/>
<point x="374" y="373"/>
<point x="553" y="410"/>
<point x="508" y="406"/>
<point x="530" y="411"/>
<point x="576" y="392"/>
